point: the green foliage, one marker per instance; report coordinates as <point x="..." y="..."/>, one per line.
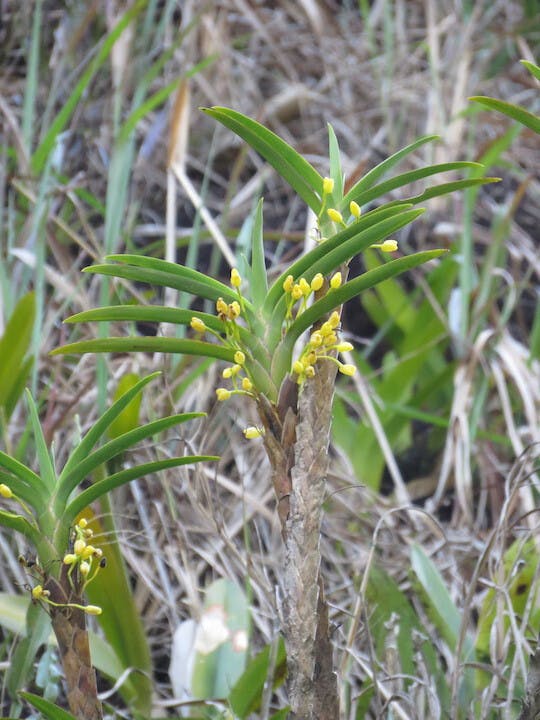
<point x="15" y="365"/>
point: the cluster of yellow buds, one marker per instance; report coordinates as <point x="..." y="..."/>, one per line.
<point x="320" y="344"/>
<point x="237" y="373"/>
<point x="40" y="594"/>
<point x="301" y="290"/>
<point x="84" y="556"/>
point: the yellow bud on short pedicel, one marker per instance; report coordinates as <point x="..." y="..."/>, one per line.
<point x="316" y="339"/>
<point x="223" y="394"/>
<point x="389" y="246"/>
<point x="78" y="546"/>
<point x="235" y="369"/>
<point x="38" y="592"/>
<point x="310" y="371"/>
<point x="239" y="357"/>
<point x="335" y="215"/>
<point x="326" y="329"/>
<point x="69" y="559"/>
<point x="354" y="209"/>
<point x="297" y="367"/>
<point x="288" y="283"/>
<point x="335" y="281"/>
<point x="309" y="359"/>
<point x="88" y="551"/>
<point x="98" y="553"/>
<point x="5" y="491"/>
<point x="347" y="369"/>
<point x="93" y="610"/>
<point x="317" y="282"/>
<point x="247" y="385"/>
<point x="305" y="287"/>
<point x="197" y="324"/>
<point x="296" y="292"/>
<point x="330" y="339"/>
<point x="227" y="373"/>
<point x="236" y="280"/>
<point x="234" y="309"/>
<point x="334" y="319"/>
<point x="83" y="522"/>
<point x="253" y="432"/>
<point x="84" y="568"/>
<point x="344" y="347"/>
<point x="221" y="306"/>
<point x="328" y="186"/>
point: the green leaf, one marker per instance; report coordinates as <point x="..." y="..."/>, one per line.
<point x="382" y="168"/>
<point x="46" y="467"/>
<point x="30" y="481"/>
<point x="292" y="167"/>
<point x="102" y="487"/>
<point x="36" y="628"/>
<point x="46" y="146"/>
<point x="515" y="112"/>
<point x="215" y="671"/>
<point x="336" y="172"/>
<point x="128" y="419"/>
<point x="48" y="709"/>
<point x="332" y="300"/>
<point x="147" y="344"/>
<point x="259" y="280"/>
<point x="14" y="345"/>
<point x="533" y="69"/>
<point x="245" y="697"/>
<point x="445" y="189"/>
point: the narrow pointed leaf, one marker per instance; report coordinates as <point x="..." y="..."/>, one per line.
<point x="124" y="476"/>
<point x="49" y="710"/>
<point x="446" y="188"/>
<point x="32" y="495"/>
<point x="147" y="344"/>
<point x="14" y="345"/>
<point x="29" y="477"/>
<point x="382" y="168"/>
<point x="532" y="68"/>
<point x="46" y="467"/>
<point x="335" y="163"/>
<point x="515" y="112"/>
<point x="259" y="280"/>
<point x="20" y="524"/>
<point x="301" y="176"/>
<point x="119" y="445"/>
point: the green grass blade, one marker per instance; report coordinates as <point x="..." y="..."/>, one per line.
<point x="532" y="68"/>
<point x="366" y="196"/>
<point x="49" y="710"/>
<point x="515" y="112"/>
<point x="14" y="345"/>
<point x="336" y="172"/>
<point x="382" y="168"/>
<point x="259" y="280"/>
<point x="95" y="491"/>
<point x="334" y="299"/>
<point x="46" y="467"/>
<point x="147" y="344"/>
<point x="115" y="447"/>
<point x="47" y="144"/>
<point x="31" y="83"/>
<point x="292" y="167"/>
<point x="37" y="628"/>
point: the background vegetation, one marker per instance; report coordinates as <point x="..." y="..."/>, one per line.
<point x="430" y="526"/>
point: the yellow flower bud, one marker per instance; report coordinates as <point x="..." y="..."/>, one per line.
<point x="335" y="281"/>
<point x="305" y="287"/>
<point x="222" y="307"/>
<point x="344" y="347"/>
<point x="69" y="559"/>
<point x="253" y="432"/>
<point x="354" y="209"/>
<point x="78" y="546"/>
<point x="316" y="339"/>
<point x="234" y="309"/>
<point x="297" y="367"/>
<point x="223" y="394"/>
<point x="288" y="283"/>
<point x="83" y="522"/>
<point x="88" y="551"/>
<point x="334" y="319"/>
<point x="335" y="216"/>
<point x="326" y="329"/>
<point x="347" y="369"/>
<point x="317" y="282"/>
<point x="309" y="359"/>
<point x="247" y="385"/>
<point x="235" y="369"/>
<point x="328" y="186"/>
<point x="296" y="292"/>
<point x="37" y="592"/>
<point x="239" y="357"/>
<point x="98" y="553"/>
<point x="93" y="610"/>
<point x="310" y="371"/>
<point x="198" y="325"/>
<point x="236" y="280"/>
<point x="84" y="568"/>
<point x="227" y="373"/>
<point x="330" y="339"/>
<point x="387" y="246"/>
<point x="5" y="491"/>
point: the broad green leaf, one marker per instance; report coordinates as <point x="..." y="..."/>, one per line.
<point x="14" y="345"/>
<point x="35" y="629"/>
<point x="48" y="709"/>
<point x="245" y="697"/>
<point x="515" y="112"/>
<point x="301" y="176"/>
<point x="382" y="168"/>
<point x="218" y="665"/>
<point x="46" y="146"/>
<point x="259" y="280"/>
<point x="95" y="491"/>
<point x="128" y="419"/>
